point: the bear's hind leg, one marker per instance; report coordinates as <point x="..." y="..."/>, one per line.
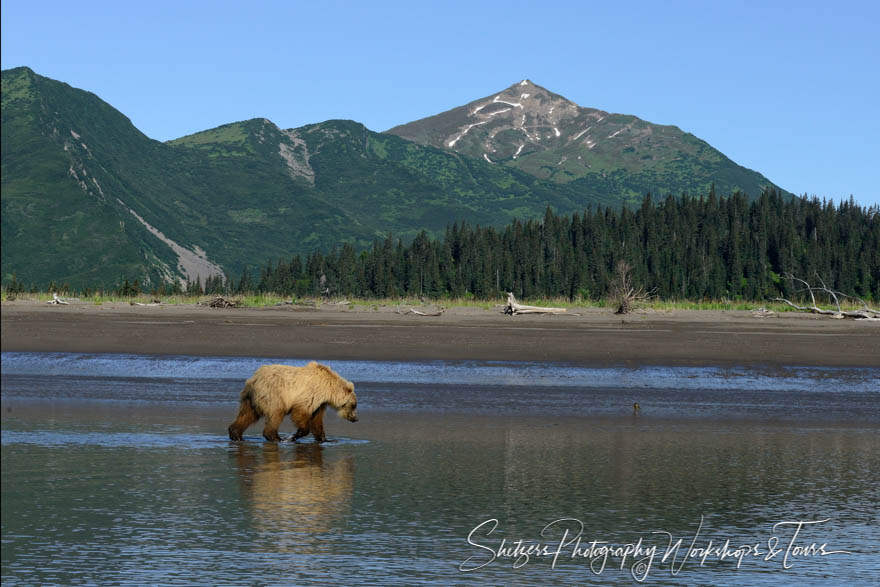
<point x="270" y="431"/>
<point x="246" y="417"/>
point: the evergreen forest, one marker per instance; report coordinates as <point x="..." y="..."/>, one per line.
<point x="687" y="248"/>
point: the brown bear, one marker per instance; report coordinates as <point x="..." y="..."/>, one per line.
<point x="303" y="392"/>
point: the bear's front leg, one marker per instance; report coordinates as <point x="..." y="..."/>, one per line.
<point x="316" y="426"/>
<point x="301" y="421"/>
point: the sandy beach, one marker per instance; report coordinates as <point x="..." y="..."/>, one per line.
<point x="590" y="337"/>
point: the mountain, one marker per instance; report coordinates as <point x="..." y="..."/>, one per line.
<point x="369" y="184"/>
<point x="89" y="200"/>
<point x="66" y="158"/>
<point x="529" y="128"/>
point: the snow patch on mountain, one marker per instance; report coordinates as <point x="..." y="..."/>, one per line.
<point x="577" y="136"/>
<point x="500" y="101"/>
<point x="455" y="140"/>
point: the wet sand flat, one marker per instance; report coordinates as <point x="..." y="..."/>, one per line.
<point x="593" y="337"/>
<point x="117" y="467"/>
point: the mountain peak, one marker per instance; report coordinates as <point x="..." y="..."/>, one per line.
<point x="525" y="84"/>
<point x="18" y="71"/>
<point x="521" y="119"/>
<point x="547" y="135"/>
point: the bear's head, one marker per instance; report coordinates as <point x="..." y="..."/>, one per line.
<point x="348" y="409"/>
<point x="344" y="399"/>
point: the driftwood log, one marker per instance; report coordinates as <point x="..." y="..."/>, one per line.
<point x="56" y="301"/>
<point x="420" y="313"/>
<point x="865" y="313"/>
<point x="514" y="308"/>
<point x="220" y="302"/>
<point x="435" y="313"/>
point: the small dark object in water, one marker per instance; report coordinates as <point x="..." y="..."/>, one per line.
<point x="636" y="408"/>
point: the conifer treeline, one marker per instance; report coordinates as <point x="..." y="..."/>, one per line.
<point x="688" y="248"/>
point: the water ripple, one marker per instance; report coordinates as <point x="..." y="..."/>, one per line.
<point x="141" y="440"/>
<point x="508" y="374"/>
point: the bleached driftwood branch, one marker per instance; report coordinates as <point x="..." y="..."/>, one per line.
<point x="55" y="301"/>
<point x="865" y="313"/>
<point x="514" y="308"/>
<point x="417" y="313"/>
<point x="339" y="303"/>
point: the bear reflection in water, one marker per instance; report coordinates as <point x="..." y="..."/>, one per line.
<point x="295" y="494"/>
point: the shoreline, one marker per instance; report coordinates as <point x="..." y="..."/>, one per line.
<point x="589" y="337"/>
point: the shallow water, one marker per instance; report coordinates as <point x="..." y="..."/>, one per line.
<point x="116" y="469"/>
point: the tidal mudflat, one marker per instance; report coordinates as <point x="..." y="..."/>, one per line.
<point x="116" y="469"/>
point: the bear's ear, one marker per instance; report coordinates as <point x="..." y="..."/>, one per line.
<point x="349" y="387"/>
<point x="323" y="368"/>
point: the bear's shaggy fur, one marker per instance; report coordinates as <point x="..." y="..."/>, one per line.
<point x="303" y="392"/>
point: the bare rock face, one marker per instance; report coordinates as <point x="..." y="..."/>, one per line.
<point x="295" y="153"/>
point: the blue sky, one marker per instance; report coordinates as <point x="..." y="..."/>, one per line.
<point x="787" y="88"/>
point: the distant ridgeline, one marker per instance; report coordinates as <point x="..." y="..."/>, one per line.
<point x="90" y="201"/>
<point x="688" y="248"/>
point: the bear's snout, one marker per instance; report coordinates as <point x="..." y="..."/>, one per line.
<point x="353" y="418"/>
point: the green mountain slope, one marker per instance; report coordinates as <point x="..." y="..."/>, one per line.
<point x="85" y="196"/>
<point x="89" y="200"/>
<point x="370" y="184"/>
<point x="529" y="128"/>
<point x="60" y="149"/>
